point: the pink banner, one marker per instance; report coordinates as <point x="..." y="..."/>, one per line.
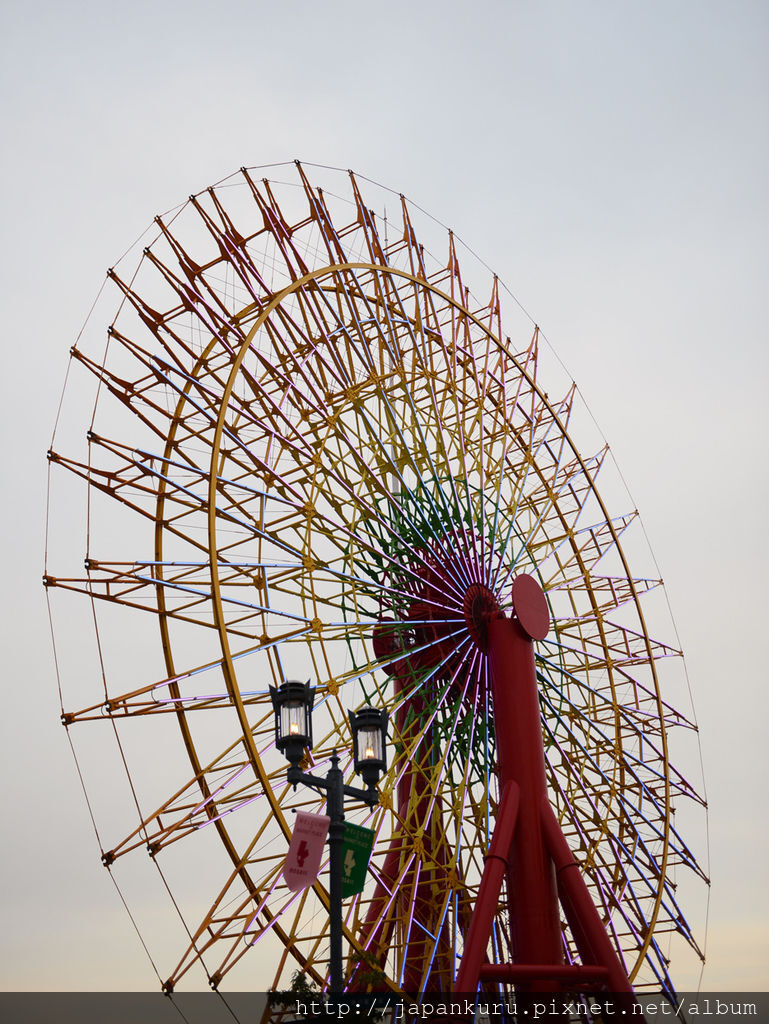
<point x="306" y="850"/>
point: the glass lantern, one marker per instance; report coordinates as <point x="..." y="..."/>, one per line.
<point x="369" y="737"/>
<point x="292" y="703"/>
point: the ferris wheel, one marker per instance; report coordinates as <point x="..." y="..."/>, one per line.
<point x="311" y="449"/>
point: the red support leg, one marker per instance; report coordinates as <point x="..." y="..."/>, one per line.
<point x="580" y="909"/>
<point x="531" y="887"/>
<point x="538" y="848"/>
<point x="494" y="870"/>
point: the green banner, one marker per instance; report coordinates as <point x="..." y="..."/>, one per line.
<point x="357" y="844"/>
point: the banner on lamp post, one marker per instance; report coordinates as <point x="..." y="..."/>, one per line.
<point x="305" y="851"/>
<point x="357" y="845"/>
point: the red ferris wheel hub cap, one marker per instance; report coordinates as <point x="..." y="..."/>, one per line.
<point x="530" y="607"/>
<point x="478" y="606"/>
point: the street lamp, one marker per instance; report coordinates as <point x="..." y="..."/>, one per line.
<point x="369" y="738"/>
<point x="292" y="703"/>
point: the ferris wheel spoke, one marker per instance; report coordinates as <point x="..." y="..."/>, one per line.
<point x="603" y="594"/>
<point x="440" y="770"/>
<point x="236" y="922"/>
<point x="262" y="909"/>
<point x="234" y="255"/>
<point x="123" y="583"/>
<point x="604" y="891"/>
<point x="524" y="501"/>
<point x="405" y="455"/>
<point x="145" y="701"/>
<point x="325" y="303"/>
<point x="200" y="386"/>
<point x="334" y="530"/>
<point x="633" y="813"/>
<point x="218" y="322"/>
<point x="184" y="814"/>
<point x="421" y="523"/>
<point x="542" y="503"/>
<point x="584" y="550"/>
<point x="498" y="459"/>
<point x="148" y="404"/>
<point x="322" y="303"/>
<point x="624" y="646"/>
<point x="144" y="464"/>
<point x="415" y="470"/>
<point x="331" y="372"/>
<point x="433" y="417"/>
<point x="637" y="730"/>
<point x="565" y="495"/>
<point x="639" y="921"/>
<point x="546" y="510"/>
<point x="480" y="359"/>
<point x="338" y="527"/>
<point x="115" y="483"/>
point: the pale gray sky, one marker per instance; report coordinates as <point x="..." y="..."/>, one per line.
<point x="609" y="161"/>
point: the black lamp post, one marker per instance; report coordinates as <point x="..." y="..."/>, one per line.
<point x="292" y="703"/>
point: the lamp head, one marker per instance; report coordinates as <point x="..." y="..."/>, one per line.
<point x="292" y="703"/>
<point x="369" y="738"/>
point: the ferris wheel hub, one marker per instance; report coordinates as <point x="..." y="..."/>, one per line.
<point x="479" y="606"/>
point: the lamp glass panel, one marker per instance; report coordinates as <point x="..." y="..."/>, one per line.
<point x="293" y="719"/>
<point x="370" y="744"/>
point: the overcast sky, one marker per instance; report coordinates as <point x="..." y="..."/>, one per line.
<point x="609" y="160"/>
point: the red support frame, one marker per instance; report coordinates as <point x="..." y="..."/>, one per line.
<point x="528" y="847"/>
